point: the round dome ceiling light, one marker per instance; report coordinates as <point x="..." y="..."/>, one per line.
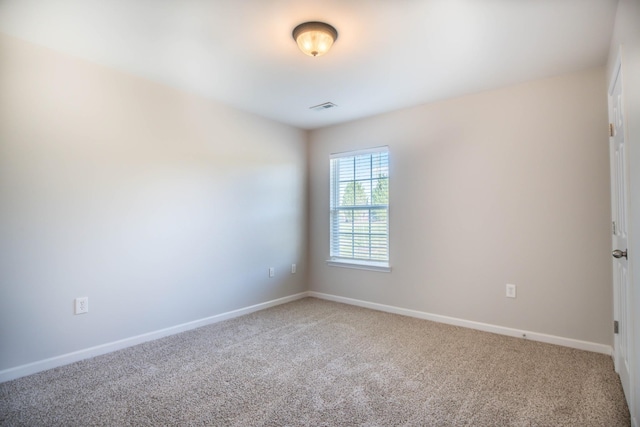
<point x="315" y="38"/>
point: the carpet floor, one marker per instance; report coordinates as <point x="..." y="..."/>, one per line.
<point x="319" y="363"/>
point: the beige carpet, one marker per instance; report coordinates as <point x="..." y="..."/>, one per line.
<point x="319" y="363"/>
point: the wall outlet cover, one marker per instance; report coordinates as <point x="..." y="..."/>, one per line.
<point x="81" y="305"/>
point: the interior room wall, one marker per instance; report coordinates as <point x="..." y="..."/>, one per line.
<point x="505" y="186"/>
<point x="160" y="206"/>
<point x="626" y="41"/>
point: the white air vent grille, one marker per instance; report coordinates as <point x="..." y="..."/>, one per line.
<point x="324" y="106"/>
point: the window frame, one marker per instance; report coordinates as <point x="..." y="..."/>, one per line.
<point x="335" y="209"/>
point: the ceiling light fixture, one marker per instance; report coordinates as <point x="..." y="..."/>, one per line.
<point x="315" y="38"/>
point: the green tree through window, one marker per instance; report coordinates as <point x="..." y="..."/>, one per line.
<point x="380" y="196"/>
<point x="354" y="195"/>
<point x="381" y="192"/>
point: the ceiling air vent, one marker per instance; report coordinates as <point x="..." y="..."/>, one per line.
<point x="324" y="106"/>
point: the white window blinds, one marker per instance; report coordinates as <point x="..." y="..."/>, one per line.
<point x="359" y="206"/>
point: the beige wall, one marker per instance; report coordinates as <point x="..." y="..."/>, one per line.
<point x="165" y="208"/>
<point x="506" y="186"/>
<point x="626" y="40"/>
<point x="161" y="207"/>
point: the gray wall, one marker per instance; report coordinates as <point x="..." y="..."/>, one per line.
<point x="161" y="207"/>
<point x="506" y="186"/>
<point x="626" y="39"/>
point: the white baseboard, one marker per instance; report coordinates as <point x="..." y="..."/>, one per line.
<point x="486" y="327"/>
<point x="65" y="359"/>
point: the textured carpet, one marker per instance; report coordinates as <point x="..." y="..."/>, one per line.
<point x="318" y="363"/>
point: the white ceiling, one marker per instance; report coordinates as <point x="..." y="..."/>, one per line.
<point x="389" y="54"/>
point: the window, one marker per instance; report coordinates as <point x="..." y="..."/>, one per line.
<point x="359" y="209"/>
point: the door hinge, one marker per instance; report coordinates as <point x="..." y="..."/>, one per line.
<point x="616" y="327"/>
<point x="612" y="130"/>
<point x="613" y="226"/>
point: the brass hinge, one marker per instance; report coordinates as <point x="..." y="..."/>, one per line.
<point x="612" y="130"/>
<point x="615" y="327"/>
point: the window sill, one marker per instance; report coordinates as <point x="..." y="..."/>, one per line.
<point x="360" y="265"/>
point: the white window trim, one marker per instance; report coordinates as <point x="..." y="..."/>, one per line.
<point x="360" y="265"/>
<point x="379" y="266"/>
<point x="359" y="152"/>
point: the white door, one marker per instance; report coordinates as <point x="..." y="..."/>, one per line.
<point x="619" y="196"/>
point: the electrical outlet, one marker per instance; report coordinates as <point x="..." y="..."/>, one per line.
<point x="511" y="290"/>
<point x="293" y="269"/>
<point x="81" y="305"/>
<point x="272" y="271"/>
